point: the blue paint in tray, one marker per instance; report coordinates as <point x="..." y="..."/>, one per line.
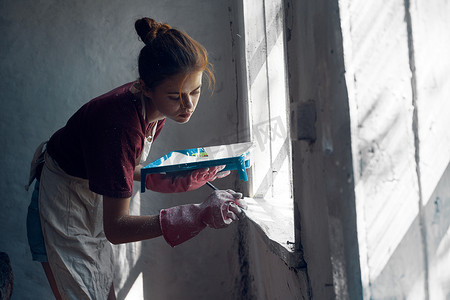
<point x="233" y="156"/>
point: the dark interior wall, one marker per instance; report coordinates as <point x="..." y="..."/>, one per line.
<point x="55" y="56"/>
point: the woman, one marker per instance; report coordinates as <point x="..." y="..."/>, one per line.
<point x="85" y="186"/>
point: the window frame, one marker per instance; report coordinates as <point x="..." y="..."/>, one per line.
<point x="270" y="214"/>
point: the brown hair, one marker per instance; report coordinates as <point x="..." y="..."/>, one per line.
<point x="167" y="52"/>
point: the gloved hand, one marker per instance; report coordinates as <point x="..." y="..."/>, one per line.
<point x="183" y="181"/>
<point x="220" y="209"/>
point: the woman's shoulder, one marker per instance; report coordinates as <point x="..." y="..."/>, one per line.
<point x="118" y="107"/>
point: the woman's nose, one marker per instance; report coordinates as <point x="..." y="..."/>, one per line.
<point x="186" y="101"/>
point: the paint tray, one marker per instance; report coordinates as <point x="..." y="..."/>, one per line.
<point x="233" y="156"/>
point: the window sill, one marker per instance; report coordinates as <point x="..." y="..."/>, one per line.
<point x="274" y="220"/>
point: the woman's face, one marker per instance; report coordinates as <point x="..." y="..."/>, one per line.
<point x="174" y="102"/>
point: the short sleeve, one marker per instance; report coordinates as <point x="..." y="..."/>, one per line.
<point x="111" y="159"/>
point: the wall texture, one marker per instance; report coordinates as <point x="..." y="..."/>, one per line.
<point x="372" y="224"/>
<point x="398" y="94"/>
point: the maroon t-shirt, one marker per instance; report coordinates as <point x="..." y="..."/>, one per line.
<point x="102" y="141"/>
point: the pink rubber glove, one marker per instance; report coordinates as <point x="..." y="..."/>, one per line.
<point x="181" y="223"/>
<point x="183" y="181"/>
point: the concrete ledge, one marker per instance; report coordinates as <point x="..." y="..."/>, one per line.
<point x="274" y="220"/>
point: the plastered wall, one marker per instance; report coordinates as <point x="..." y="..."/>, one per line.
<point x="372" y="224"/>
<point x="55" y="56"/>
<point x="399" y="101"/>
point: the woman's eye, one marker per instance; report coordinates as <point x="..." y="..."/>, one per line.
<point x="196" y="92"/>
<point x="174" y="97"/>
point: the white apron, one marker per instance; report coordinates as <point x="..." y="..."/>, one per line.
<point x="80" y="256"/>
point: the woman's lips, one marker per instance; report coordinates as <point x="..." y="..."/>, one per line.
<point x="185" y="115"/>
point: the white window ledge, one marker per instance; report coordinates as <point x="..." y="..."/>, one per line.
<point x="274" y="220"/>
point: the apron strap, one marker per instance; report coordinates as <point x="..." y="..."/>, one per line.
<point x="36" y="163"/>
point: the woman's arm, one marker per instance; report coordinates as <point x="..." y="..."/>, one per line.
<point x="137" y="172"/>
<point x="120" y="227"/>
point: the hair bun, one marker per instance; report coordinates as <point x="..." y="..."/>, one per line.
<point x="148" y="29"/>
